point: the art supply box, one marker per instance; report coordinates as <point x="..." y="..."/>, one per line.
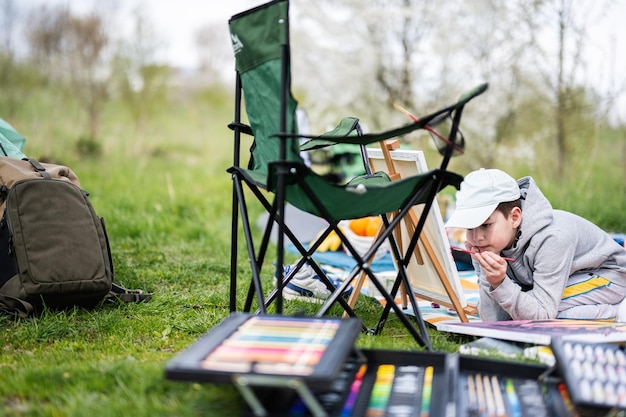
<point x="297" y="366"/>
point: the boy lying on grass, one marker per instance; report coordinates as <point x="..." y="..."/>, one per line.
<point x="534" y="262"/>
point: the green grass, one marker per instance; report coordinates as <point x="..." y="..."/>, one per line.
<point x="166" y="197"/>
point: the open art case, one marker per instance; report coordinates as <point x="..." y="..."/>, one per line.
<point x="310" y="366"/>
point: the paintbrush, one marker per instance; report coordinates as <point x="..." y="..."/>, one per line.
<point x="428" y="128"/>
<point x="472" y="253"/>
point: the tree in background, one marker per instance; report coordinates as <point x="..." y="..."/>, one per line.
<point x="397" y="43"/>
<point x="365" y="56"/>
<point x="75" y="50"/>
<point x="17" y="79"/>
<point x="541" y="105"/>
<point x="9" y="70"/>
<point x="558" y="41"/>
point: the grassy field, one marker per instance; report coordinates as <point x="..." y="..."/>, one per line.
<point x="166" y="197"/>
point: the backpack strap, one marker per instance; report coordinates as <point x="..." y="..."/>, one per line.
<point x="127" y="296"/>
<point x="15" y="306"/>
<point x="23" y="309"/>
<point x="39" y="168"/>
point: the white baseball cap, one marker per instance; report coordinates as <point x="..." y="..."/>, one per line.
<point x="481" y="192"/>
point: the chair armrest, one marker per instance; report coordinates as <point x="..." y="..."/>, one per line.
<point x="347" y="127"/>
<point x="331" y="138"/>
<point x="243" y="128"/>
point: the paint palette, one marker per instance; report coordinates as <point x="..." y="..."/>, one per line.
<point x="595" y="374"/>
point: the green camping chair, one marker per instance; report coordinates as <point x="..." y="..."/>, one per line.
<point x="260" y="38"/>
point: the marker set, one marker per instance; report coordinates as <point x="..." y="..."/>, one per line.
<point x="290" y="366"/>
<point x="400" y="391"/>
<point x="378" y="391"/>
<point x="400" y="388"/>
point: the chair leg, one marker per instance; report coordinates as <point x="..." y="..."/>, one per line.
<point x="402" y="280"/>
<point x="402" y="273"/>
<point x="254" y="267"/>
<point x="239" y="198"/>
<point x="360" y="280"/>
<point x="420" y="336"/>
<point x="357" y="287"/>
<point x="306" y="256"/>
<point x="234" y="233"/>
<point x="344" y="303"/>
<point x="255" y="264"/>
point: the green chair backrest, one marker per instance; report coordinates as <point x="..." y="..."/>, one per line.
<point x="260" y="37"/>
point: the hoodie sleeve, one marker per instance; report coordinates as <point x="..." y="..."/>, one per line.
<point x="550" y="269"/>
<point x="488" y="307"/>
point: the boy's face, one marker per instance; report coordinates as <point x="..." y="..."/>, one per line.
<point x="496" y="233"/>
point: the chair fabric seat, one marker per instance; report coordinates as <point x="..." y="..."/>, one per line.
<point x="363" y="196"/>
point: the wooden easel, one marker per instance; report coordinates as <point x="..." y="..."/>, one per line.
<point x="410" y="223"/>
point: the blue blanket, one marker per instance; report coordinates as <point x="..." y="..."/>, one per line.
<point x="343" y="261"/>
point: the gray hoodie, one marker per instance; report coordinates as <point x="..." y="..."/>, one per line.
<point x="552" y="246"/>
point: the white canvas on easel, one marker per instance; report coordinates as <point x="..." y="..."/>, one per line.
<point x="425" y="280"/>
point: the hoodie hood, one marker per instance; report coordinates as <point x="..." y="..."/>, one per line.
<point x="537" y="214"/>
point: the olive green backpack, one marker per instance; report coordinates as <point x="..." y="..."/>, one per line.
<point x="54" y="250"/>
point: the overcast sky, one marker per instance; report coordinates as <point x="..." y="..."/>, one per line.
<point x="176" y="21"/>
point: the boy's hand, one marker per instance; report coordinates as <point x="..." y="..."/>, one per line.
<point x="493" y="265"/>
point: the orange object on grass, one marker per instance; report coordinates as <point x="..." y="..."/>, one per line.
<point x="372" y="226"/>
<point x="359" y="226"/>
<point x="365" y="226"/>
